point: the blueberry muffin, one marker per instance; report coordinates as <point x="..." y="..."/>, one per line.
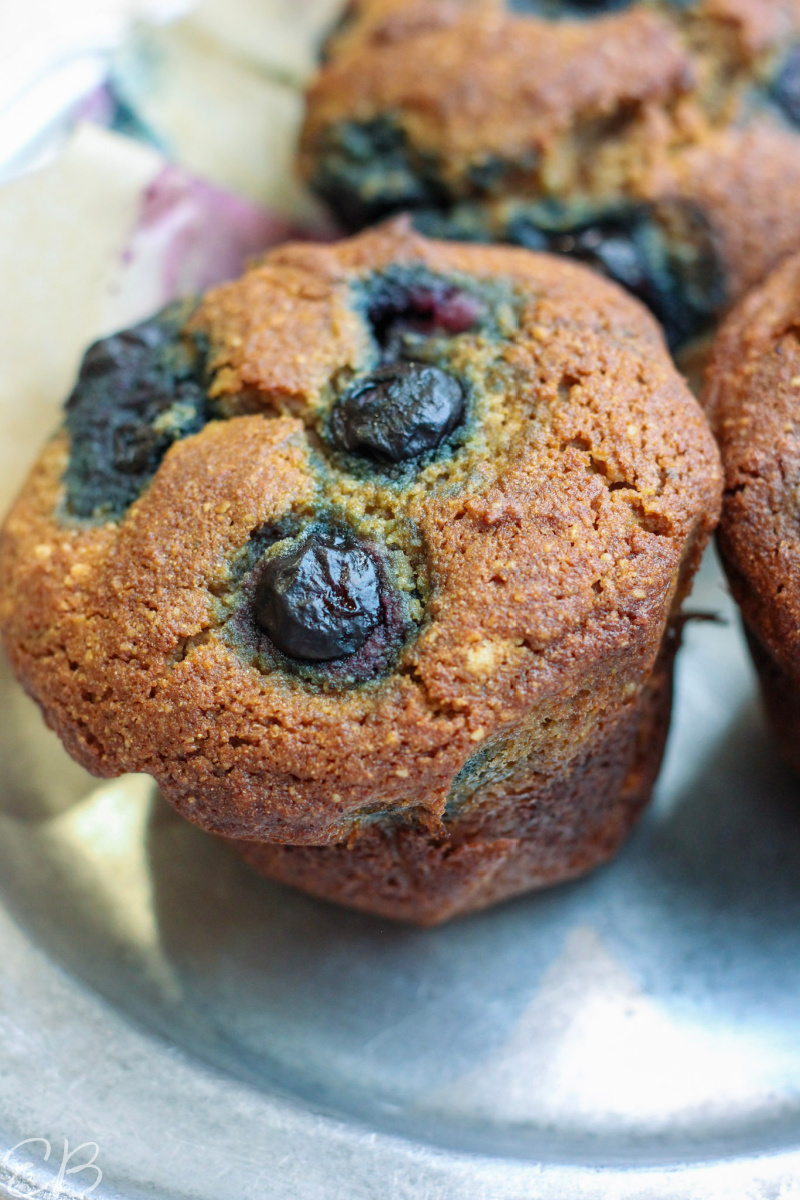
<point x="656" y="141"/>
<point x="373" y="559"/>
<point x="753" y="398"/>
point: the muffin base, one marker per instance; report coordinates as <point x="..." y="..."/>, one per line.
<point x="781" y="695"/>
<point x="565" y="827"/>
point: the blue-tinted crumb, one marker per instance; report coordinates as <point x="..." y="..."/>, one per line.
<point x="410" y="402"/>
<point x="665" y="255"/>
<point x="486" y="766"/>
<point x="785" y="89"/>
<point x="569" y="9"/>
<point x="366" y="170"/>
<point x="137" y="392"/>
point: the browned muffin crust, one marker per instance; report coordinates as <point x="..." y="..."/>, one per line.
<point x="753" y="399"/>
<point x="541" y="560"/>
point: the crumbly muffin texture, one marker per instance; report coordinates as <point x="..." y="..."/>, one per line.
<point x="656" y="141"/>
<point x="382" y="541"/>
<point x="753" y="399"/>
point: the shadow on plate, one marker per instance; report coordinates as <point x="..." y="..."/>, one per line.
<point x="699" y="917"/>
<point x="464" y="1034"/>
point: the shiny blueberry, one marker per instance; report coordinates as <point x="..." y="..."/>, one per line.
<point x="398" y="412"/>
<point x="617" y="251"/>
<point x="320" y="601"/>
<point x="786" y="88"/>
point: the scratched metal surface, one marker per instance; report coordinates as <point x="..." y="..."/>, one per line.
<point x="172" y="1026"/>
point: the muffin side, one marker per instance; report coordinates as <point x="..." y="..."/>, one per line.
<point x="519" y="569"/>
<point x="753" y="400"/>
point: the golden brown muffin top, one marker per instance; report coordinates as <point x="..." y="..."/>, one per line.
<point x="518" y="561"/>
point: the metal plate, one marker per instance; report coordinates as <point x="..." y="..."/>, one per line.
<point x="203" y="1033"/>
<point x="172" y="1026"/>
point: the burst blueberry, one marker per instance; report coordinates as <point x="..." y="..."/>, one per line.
<point x="321" y="600"/>
<point x="138" y="391"/>
<point x="398" y="413"/>
<point x="403" y="312"/>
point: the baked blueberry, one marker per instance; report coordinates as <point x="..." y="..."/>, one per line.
<point x="402" y="311"/>
<point x="367" y="170"/>
<point x="137" y="392"/>
<point x="321" y="600"/>
<point x="786" y="88"/>
<point x="398" y="413"/>
<point x="667" y="259"/>
<point x="567" y="8"/>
